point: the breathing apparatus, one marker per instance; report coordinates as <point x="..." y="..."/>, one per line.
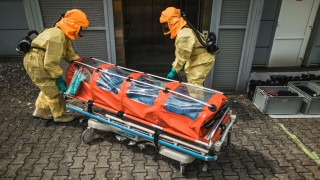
<point x="210" y="42"/>
<point x="25" y="44"/>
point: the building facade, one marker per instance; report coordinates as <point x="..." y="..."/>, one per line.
<point x="250" y="33"/>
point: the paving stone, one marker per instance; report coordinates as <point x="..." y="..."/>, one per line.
<point x="48" y="174"/>
<point x="68" y="157"/>
<point x="152" y="172"/>
<point x="307" y="176"/>
<point x="35" y="153"/>
<point x="104" y="150"/>
<point x="92" y="153"/>
<point x="53" y="163"/>
<point x="305" y="160"/>
<point x="82" y="151"/>
<point x="139" y="176"/>
<point x="217" y="174"/>
<point x="12" y="171"/>
<point x="22" y="174"/>
<point x="103" y="162"/>
<point x="163" y="166"/>
<point x="126" y="173"/>
<point x="228" y="170"/>
<point x="315" y="170"/>
<point x="4" y="164"/>
<point x="60" y="177"/>
<point x="165" y="175"/>
<point x="139" y="167"/>
<point x="100" y="173"/>
<point x="44" y="158"/>
<point x="252" y="169"/>
<point x="276" y="169"/>
<point x="78" y="162"/>
<point x="28" y="164"/>
<point x="63" y="169"/>
<point x="72" y="146"/>
<point x="127" y="161"/>
<point x="88" y="168"/>
<point x="74" y="173"/>
<point x="37" y="170"/>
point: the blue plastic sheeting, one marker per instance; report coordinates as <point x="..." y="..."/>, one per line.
<point x="76" y="81"/>
<point x="109" y="80"/>
<point x="184" y="106"/>
<point x="144" y="93"/>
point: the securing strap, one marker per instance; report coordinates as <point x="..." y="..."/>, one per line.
<point x="89" y="106"/>
<point x="156" y="138"/>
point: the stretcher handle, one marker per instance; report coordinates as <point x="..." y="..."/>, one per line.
<point x="218" y="145"/>
<point x="215" y="128"/>
<point x="211" y="107"/>
<point x="159" y="77"/>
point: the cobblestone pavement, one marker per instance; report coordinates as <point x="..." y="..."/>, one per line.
<point x="37" y="149"/>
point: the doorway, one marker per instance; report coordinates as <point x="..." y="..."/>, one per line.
<point x="142" y="44"/>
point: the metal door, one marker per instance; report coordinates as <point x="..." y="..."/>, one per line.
<point x="146" y="48"/>
<point x="293" y="31"/>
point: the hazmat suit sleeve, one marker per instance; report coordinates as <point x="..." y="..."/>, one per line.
<point x="184" y="47"/>
<point x="70" y="53"/>
<point x="53" y="55"/>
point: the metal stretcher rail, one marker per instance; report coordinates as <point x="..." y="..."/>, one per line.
<point x="150" y="138"/>
<point x="174" y="92"/>
<point x="159" y="77"/>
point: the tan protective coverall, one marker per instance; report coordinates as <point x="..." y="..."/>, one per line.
<point x="43" y="67"/>
<point x="198" y="62"/>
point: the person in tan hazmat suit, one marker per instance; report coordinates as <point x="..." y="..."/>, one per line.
<point x="42" y="64"/>
<point x="189" y="52"/>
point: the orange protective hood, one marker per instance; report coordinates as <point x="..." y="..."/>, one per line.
<point x="72" y="22"/>
<point x="175" y="22"/>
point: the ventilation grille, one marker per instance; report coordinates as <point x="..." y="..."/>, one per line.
<point x="52" y="9"/>
<point x="234" y="12"/>
<point x="228" y="60"/>
<point x="93" y="44"/>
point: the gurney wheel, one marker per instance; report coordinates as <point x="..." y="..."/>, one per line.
<point x="88" y="135"/>
<point x="182" y="168"/>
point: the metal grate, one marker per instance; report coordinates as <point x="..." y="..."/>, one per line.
<point x="51" y="10"/>
<point x="234" y="12"/>
<point x="228" y="61"/>
<point x="93" y="44"/>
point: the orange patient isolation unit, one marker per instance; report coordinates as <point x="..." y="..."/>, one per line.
<point x="176" y="117"/>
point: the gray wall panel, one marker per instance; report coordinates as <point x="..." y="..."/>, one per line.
<point x="9" y="40"/>
<point x="51" y="10"/>
<point x="13" y="15"/>
<point x="270" y="10"/>
<point x="13" y="26"/>
<point x="265" y="32"/>
<point x="315" y="56"/>
<point x="260" y="56"/>
<point x="312" y="55"/>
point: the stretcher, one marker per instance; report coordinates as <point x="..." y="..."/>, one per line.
<point x="182" y="121"/>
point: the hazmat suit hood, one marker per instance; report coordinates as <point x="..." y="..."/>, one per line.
<point x="72" y="23"/>
<point x="175" y="22"/>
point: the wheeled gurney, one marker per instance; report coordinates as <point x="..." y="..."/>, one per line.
<point x="182" y="121"/>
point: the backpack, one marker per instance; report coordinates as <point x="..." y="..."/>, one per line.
<point x="25" y="44"/>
